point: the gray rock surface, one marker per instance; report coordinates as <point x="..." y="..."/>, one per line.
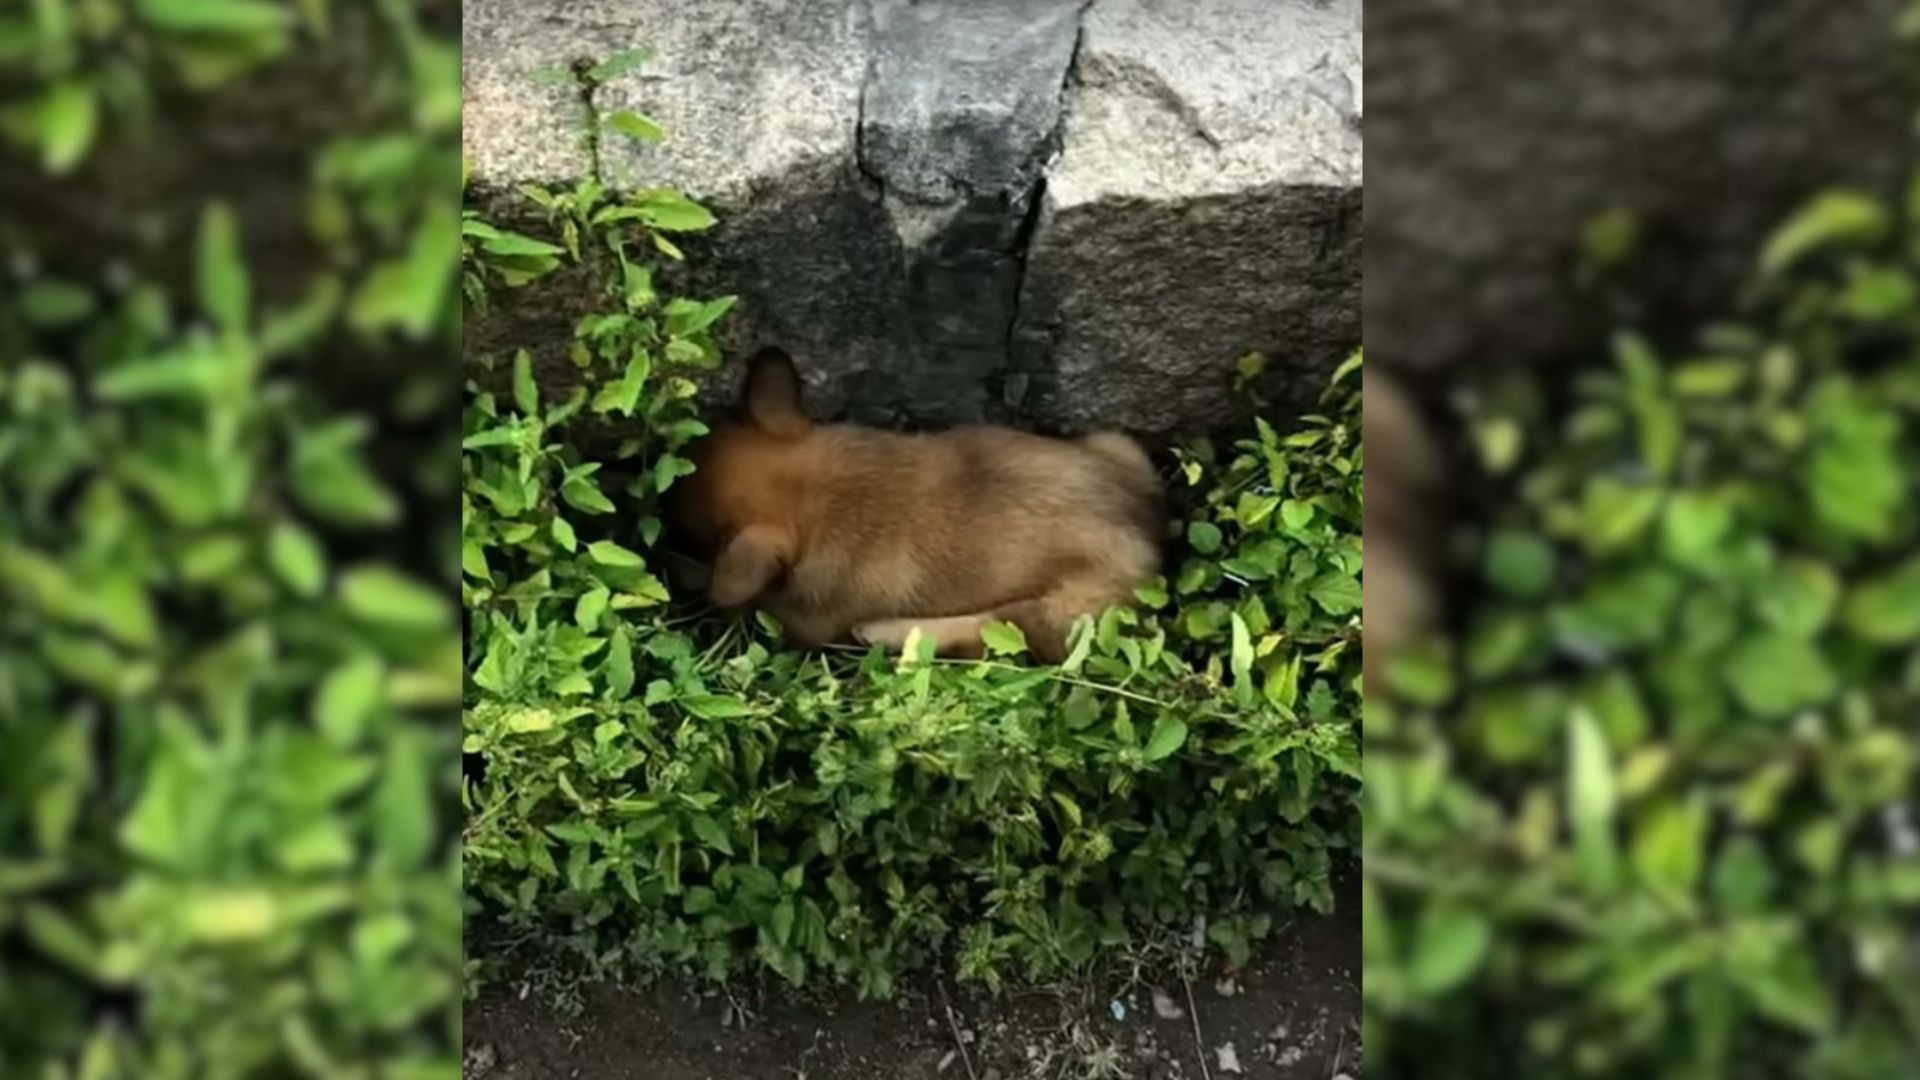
<point x="1500" y="127"/>
<point x="1065" y="213"/>
<point x="1206" y="203"/>
<point x="968" y="105"/>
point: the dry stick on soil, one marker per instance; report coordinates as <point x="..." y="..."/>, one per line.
<point x="1193" y="1013"/>
<point x="954" y="1024"/>
<point x="740" y="1012"/>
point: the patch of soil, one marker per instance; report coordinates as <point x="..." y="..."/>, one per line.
<point x="1292" y="1014"/>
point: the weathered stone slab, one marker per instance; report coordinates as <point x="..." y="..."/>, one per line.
<point x="1055" y="212"/>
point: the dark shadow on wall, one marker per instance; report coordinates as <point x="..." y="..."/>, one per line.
<point x="1498" y="129"/>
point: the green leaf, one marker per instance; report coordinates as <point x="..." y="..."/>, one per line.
<point x="1743" y="879"/>
<point x="473" y="560"/>
<point x="1669" y="847"/>
<point x="711" y="834"/>
<point x="1169" y="735"/>
<point x="619" y="64"/>
<point x="331" y="478"/>
<point x="636" y="281"/>
<point x="58" y="936"/>
<point x="1590" y="798"/>
<point x="53" y="304"/>
<point x="783" y="921"/>
<point x="1775" y="674"/>
<point x="526" y="395"/>
<point x="223" y="289"/>
<point x="1879" y="294"/>
<point x="347" y="698"/>
<point x="591" y="605"/>
<point x="1336" y="592"/>
<point x="1449" y="945"/>
<point x="380" y="594"/>
<point x="297" y="559"/>
<point x="632" y="124"/>
<point x="1003" y="638"/>
<point x="237" y="17"/>
<point x="1712" y="378"/>
<point x="669" y="468"/>
<point x="1693" y="526"/>
<point x="1885" y="610"/>
<point x="673" y="212"/>
<point x="512" y="243"/>
<point x="608" y="553"/>
<point x="408" y="294"/>
<point x="618" y="669"/>
<point x="1802" y="598"/>
<point x="623" y="394"/>
<point x="122" y="608"/>
<point x="157" y="828"/>
<point x="1792" y="991"/>
<point x="688" y="317"/>
<point x="584" y="495"/>
<point x="563" y="533"/>
<point x="69" y="120"/>
<point x="1294" y="514"/>
<point x="1610" y="236"/>
<point x="1241" y="659"/>
<point x="403" y="804"/>
<point x="296" y="328"/>
<point x="715" y="706"/>
<point x="1519" y="564"/>
<point x="1501" y="442"/>
<point x="1614" y="514"/>
<point x="1204" y="536"/>
<point x="1856" y="476"/>
<point x="190" y="373"/>
<point x="1834" y="218"/>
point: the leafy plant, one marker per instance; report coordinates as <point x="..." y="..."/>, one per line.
<point x="223" y="832"/>
<point x="1653" y="813"/>
<point x="655" y="790"/>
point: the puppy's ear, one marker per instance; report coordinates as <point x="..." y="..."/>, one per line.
<point x="747" y="565"/>
<point x="773" y="394"/>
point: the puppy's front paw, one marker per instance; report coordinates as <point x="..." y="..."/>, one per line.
<point x="888" y="633"/>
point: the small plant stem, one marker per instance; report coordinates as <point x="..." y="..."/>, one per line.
<point x="953" y="1025"/>
<point x="1193" y="1014"/>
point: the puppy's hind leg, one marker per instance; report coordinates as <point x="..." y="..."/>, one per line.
<point x="1045" y="620"/>
<point x="952" y="635"/>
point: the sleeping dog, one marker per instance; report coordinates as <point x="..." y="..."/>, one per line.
<point x="853" y="534"/>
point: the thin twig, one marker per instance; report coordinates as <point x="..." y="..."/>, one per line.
<point x="1055" y="676"/>
<point x="1339" y="1052"/>
<point x="1193" y="1013"/>
<point x="739" y="1010"/>
<point x="954" y="1025"/>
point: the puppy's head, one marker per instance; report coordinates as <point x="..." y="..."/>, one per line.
<point x="737" y="511"/>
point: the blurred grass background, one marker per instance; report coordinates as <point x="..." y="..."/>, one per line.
<point x="229" y="659"/>
<point x="1648" y="807"/>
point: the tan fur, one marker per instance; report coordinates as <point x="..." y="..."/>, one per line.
<point x="846" y="533"/>
<point x="1402" y="526"/>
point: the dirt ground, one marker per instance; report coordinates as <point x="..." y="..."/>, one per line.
<point x="1292" y="1014"/>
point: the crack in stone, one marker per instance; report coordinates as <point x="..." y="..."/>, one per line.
<point x="585" y="86"/>
<point x="963" y="182"/>
<point x="1015" y="382"/>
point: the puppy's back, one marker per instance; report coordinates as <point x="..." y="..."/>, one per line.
<point x="988" y="513"/>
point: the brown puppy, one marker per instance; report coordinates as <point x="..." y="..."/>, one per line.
<point x="848" y="533"/>
<point x="1404" y="520"/>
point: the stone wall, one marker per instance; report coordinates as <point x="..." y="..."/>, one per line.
<point x="1500" y="127"/>
<point x="1067" y="213"/>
